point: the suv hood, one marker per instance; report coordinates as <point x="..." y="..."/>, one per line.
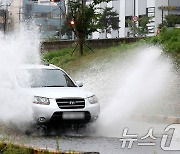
<point x="60" y="92"/>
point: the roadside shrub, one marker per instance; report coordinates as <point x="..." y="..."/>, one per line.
<point x="169" y="38"/>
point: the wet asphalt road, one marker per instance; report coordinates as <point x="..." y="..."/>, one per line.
<point x="104" y="145"/>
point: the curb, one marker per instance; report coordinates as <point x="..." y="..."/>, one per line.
<point x="156" y="118"/>
<point x="35" y="150"/>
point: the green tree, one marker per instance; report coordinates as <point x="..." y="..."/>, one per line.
<point x="86" y="19"/>
<point x="141" y="29"/>
<point x="109" y="20"/>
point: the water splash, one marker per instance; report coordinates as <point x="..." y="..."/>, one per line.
<point x="17" y="48"/>
<point x="142" y="81"/>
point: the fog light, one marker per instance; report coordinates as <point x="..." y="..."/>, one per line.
<point x="42" y="119"/>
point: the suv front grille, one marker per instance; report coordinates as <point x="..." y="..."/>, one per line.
<point x="71" y="103"/>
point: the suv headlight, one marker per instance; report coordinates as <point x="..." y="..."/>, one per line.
<point x="93" y="99"/>
<point x="41" y="100"/>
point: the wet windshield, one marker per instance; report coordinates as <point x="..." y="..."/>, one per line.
<point x="44" y="78"/>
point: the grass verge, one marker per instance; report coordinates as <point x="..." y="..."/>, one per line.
<point x="10" y="148"/>
<point x="71" y="62"/>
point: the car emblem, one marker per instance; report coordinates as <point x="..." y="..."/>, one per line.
<point x="72" y="102"/>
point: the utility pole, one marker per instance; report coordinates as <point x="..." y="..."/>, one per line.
<point x="4" y="16"/>
<point x="134" y="23"/>
<point x="60" y="20"/>
<point x="61" y="12"/>
<point x="5" y="20"/>
<point x="19" y="14"/>
<point x="59" y="4"/>
<point x="15" y="10"/>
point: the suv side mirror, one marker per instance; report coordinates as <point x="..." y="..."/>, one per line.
<point x="79" y="83"/>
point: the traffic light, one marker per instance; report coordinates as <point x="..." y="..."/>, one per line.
<point x="72" y="22"/>
<point x="55" y="1"/>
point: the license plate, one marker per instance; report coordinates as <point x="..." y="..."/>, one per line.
<point x="73" y="115"/>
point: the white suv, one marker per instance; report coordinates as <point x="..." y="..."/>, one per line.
<point x="57" y="98"/>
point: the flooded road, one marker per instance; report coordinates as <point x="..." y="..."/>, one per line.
<point x="137" y="82"/>
<point x="101" y="145"/>
<point x="104" y="145"/>
<point x="141" y="81"/>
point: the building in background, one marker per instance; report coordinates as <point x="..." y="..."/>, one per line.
<point x="49" y="17"/>
<point x="138" y="8"/>
<point x="5" y="21"/>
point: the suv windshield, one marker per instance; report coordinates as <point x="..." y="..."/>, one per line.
<point x="44" y="78"/>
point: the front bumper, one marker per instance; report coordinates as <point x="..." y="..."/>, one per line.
<point x="52" y="113"/>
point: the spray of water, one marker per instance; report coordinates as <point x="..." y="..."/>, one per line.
<point x="142" y="81"/>
<point x="139" y="81"/>
<point x="16" y="49"/>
